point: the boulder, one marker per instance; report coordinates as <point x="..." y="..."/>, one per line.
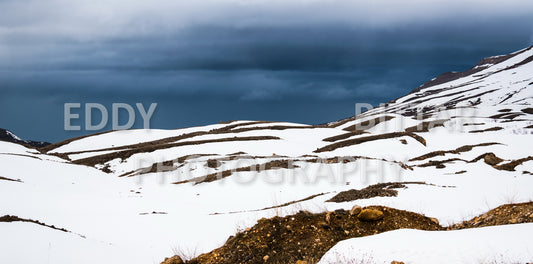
<point x="370" y="215"/>
<point x="356" y="209"/>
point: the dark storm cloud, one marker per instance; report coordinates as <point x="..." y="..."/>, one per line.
<point x="302" y="61"/>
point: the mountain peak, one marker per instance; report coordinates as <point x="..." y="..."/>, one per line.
<point x="8" y="136"/>
<point x="480" y="66"/>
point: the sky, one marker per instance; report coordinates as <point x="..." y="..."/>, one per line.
<point x="202" y="62"/>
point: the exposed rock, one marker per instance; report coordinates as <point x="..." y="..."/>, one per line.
<point x="370" y="215"/>
<point x="502" y="215"/>
<point x="356" y="209"/>
<point x="173" y="260"/>
<point x="491" y="159"/>
<point x="510" y="166"/>
<point x="434" y="220"/>
<point x="213" y="163"/>
<point x="385" y="189"/>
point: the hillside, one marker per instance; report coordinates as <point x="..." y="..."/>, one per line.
<point x="453" y="149"/>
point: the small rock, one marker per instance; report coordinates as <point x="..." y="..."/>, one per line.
<point x="513" y="221"/>
<point x="213" y="163"/>
<point x="301" y="262"/>
<point x="370" y="215"/>
<point x="328" y="217"/>
<point x="173" y="260"/>
<point x="356" y="209"/>
<point x="491" y="159"/>
<point x="531" y="216"/>
<point x="323" y="225"/>
<point x="265" y="258"/>
<point x="397" y="262"/>
<point x="434" y="220"/>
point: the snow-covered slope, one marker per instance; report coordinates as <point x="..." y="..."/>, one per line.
<point x="466" y="136"/>
<point x="495" y="244"/>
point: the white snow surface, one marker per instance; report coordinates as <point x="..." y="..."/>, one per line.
<point x="494" y="244"/>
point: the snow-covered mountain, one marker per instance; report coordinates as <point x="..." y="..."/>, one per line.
<point x="458" y="146"/>
<point x="6" y="135"/>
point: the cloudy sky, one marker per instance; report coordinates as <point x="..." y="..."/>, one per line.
<point x="305" y="61"/>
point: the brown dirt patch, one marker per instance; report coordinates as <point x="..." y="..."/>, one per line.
<point x="426" y="126"/>
<point x="439" y="164"/>
<point x="244" y="129"/>
<point x="502" y="215"/>
<point x="376" y="190"/>
<point x="174" y="139"/>
<point x="21" y="155"/>
<point x="276" y="206"/>
<point x="168" y="165"/>
<point x="344" y="136"/>
<point x="509" y="166"/>
<point x="509" y="116"/>
<point x="368" y="124"/>
<point x="271" y="165"/>
<point x="307" y="236"/>
<point x="64" y="142"/>
<point x="473" y="124"/>
<point x="100" y="159"/>
<point x="12" y="218"/>
<point x="238" y="153"/>
<point x="458" y="150"/>
<point x="486" y="130"/>
<point x="8" y="179"/>
<point x="528" y="110"/>
<point x="355" y="141"/>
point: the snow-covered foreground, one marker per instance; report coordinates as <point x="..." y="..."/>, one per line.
<point x="494" y="244"/>
<point x="121" y="206"/>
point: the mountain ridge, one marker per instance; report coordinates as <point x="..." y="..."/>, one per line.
<point x="8" y="136"/>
